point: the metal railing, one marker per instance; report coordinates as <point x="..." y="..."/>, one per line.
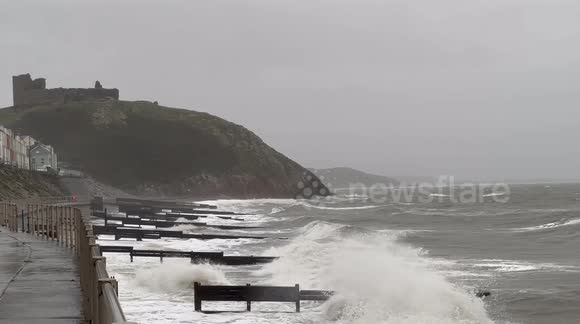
<point x="67" y="226"/>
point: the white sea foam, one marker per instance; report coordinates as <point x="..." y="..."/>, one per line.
<point x="377" y="280"/>
<point x="341" y="208"/>
<point x="276" y="210"/>
<point x="551" y="225"/>
<point x="493" y="194"/>
<point x="500" y="265"/>
<point x="250" y="205"/>
<point x="178" y="276"/>
<point x="438" y="195"/>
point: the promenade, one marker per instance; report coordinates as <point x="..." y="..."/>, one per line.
<point x="39" y="281"/>
<point x="55" y="274"/>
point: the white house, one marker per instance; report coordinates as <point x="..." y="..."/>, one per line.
<point x="42" y="157"/>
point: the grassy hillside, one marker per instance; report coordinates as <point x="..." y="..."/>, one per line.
<point x="144" y="148"/>
<point x="17" y="184"/>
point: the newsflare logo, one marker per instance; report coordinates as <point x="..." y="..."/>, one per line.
<point x="312" y="186"/>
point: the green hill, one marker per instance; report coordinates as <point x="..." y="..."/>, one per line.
<point x="146" y="149"/>
<point x="19" y="184"/>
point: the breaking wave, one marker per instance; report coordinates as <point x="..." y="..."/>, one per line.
<point x="175" y="277"/>
<point x="376" y="278"/>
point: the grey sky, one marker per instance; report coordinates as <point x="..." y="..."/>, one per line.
<point x="474" y="88"/>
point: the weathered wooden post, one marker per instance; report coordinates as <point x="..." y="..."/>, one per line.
<point x="65" y="225"/>
<point x="248" y="298"/>
<point x="297" y="286"/>
<point x="56" y="235"/>
<point x="42" y="220"/>
<point x="28" y="218"/>
<point x="57" y="224"/>
<point x="34" y="220"/>
<point x="71" y="232"/>
<point x="196" y="297"/>
<point x="61" y="233"/>
<point x="53" y="220"/>
<point x="49" y="227"/>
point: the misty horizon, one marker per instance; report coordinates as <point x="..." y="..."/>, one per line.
<point x="479" y="90"/>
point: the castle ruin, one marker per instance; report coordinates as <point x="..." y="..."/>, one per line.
<point x="28" y="92"/>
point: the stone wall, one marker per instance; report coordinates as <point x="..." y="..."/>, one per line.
<point x="33" y="92"/>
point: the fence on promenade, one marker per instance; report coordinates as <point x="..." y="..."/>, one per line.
<point x="66" y="226"/>
<point x="8" y="213"/>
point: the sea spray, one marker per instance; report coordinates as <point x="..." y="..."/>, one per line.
<point x="175" y="277"/>
<point x="376" y="278"/>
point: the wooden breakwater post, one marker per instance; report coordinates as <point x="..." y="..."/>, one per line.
<point x="97" y="203"/>
<point x="141" y="234"/>
<point x="249" y="294"/>
<point x="195" y="257"/>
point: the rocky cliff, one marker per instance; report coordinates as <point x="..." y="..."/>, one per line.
<point x="146" y="149"/>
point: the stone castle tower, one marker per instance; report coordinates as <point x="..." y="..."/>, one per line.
<point x="28" y="92"/>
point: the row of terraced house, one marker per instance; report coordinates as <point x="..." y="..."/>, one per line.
<point x="24" y="152"/>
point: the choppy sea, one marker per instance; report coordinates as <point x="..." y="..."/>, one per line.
<point x="389" y="262"/>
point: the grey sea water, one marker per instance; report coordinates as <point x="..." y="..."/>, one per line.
<point x="412" y="262"/>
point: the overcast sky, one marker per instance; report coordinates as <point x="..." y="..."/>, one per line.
<point x="485" y="89"/>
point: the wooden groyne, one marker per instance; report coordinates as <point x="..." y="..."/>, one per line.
<point x="67" y="228"/>
<point x="152" y="210"/>
<point x="195" y="257"/>
<point x="159" y="223"/>
<point x="140" y="234"/>
<point x="249" y="294"/>
<point x="166" y="203"/>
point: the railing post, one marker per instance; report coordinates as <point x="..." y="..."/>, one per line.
<point x="15" y="211"/>
<point x="51" y="222"/>
<point x="44" y="214"/>
<point x="95" y="284"/>
<point x="28" y="218"/>
<point x="34" y="219"/>
<point x="59" y="222"/>
<point x="68" y="227"/>
<point x="32" y="213"/>
<point x="64" y="226"/>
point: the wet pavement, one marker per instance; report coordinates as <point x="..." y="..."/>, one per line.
<point x="39" y="281"/>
